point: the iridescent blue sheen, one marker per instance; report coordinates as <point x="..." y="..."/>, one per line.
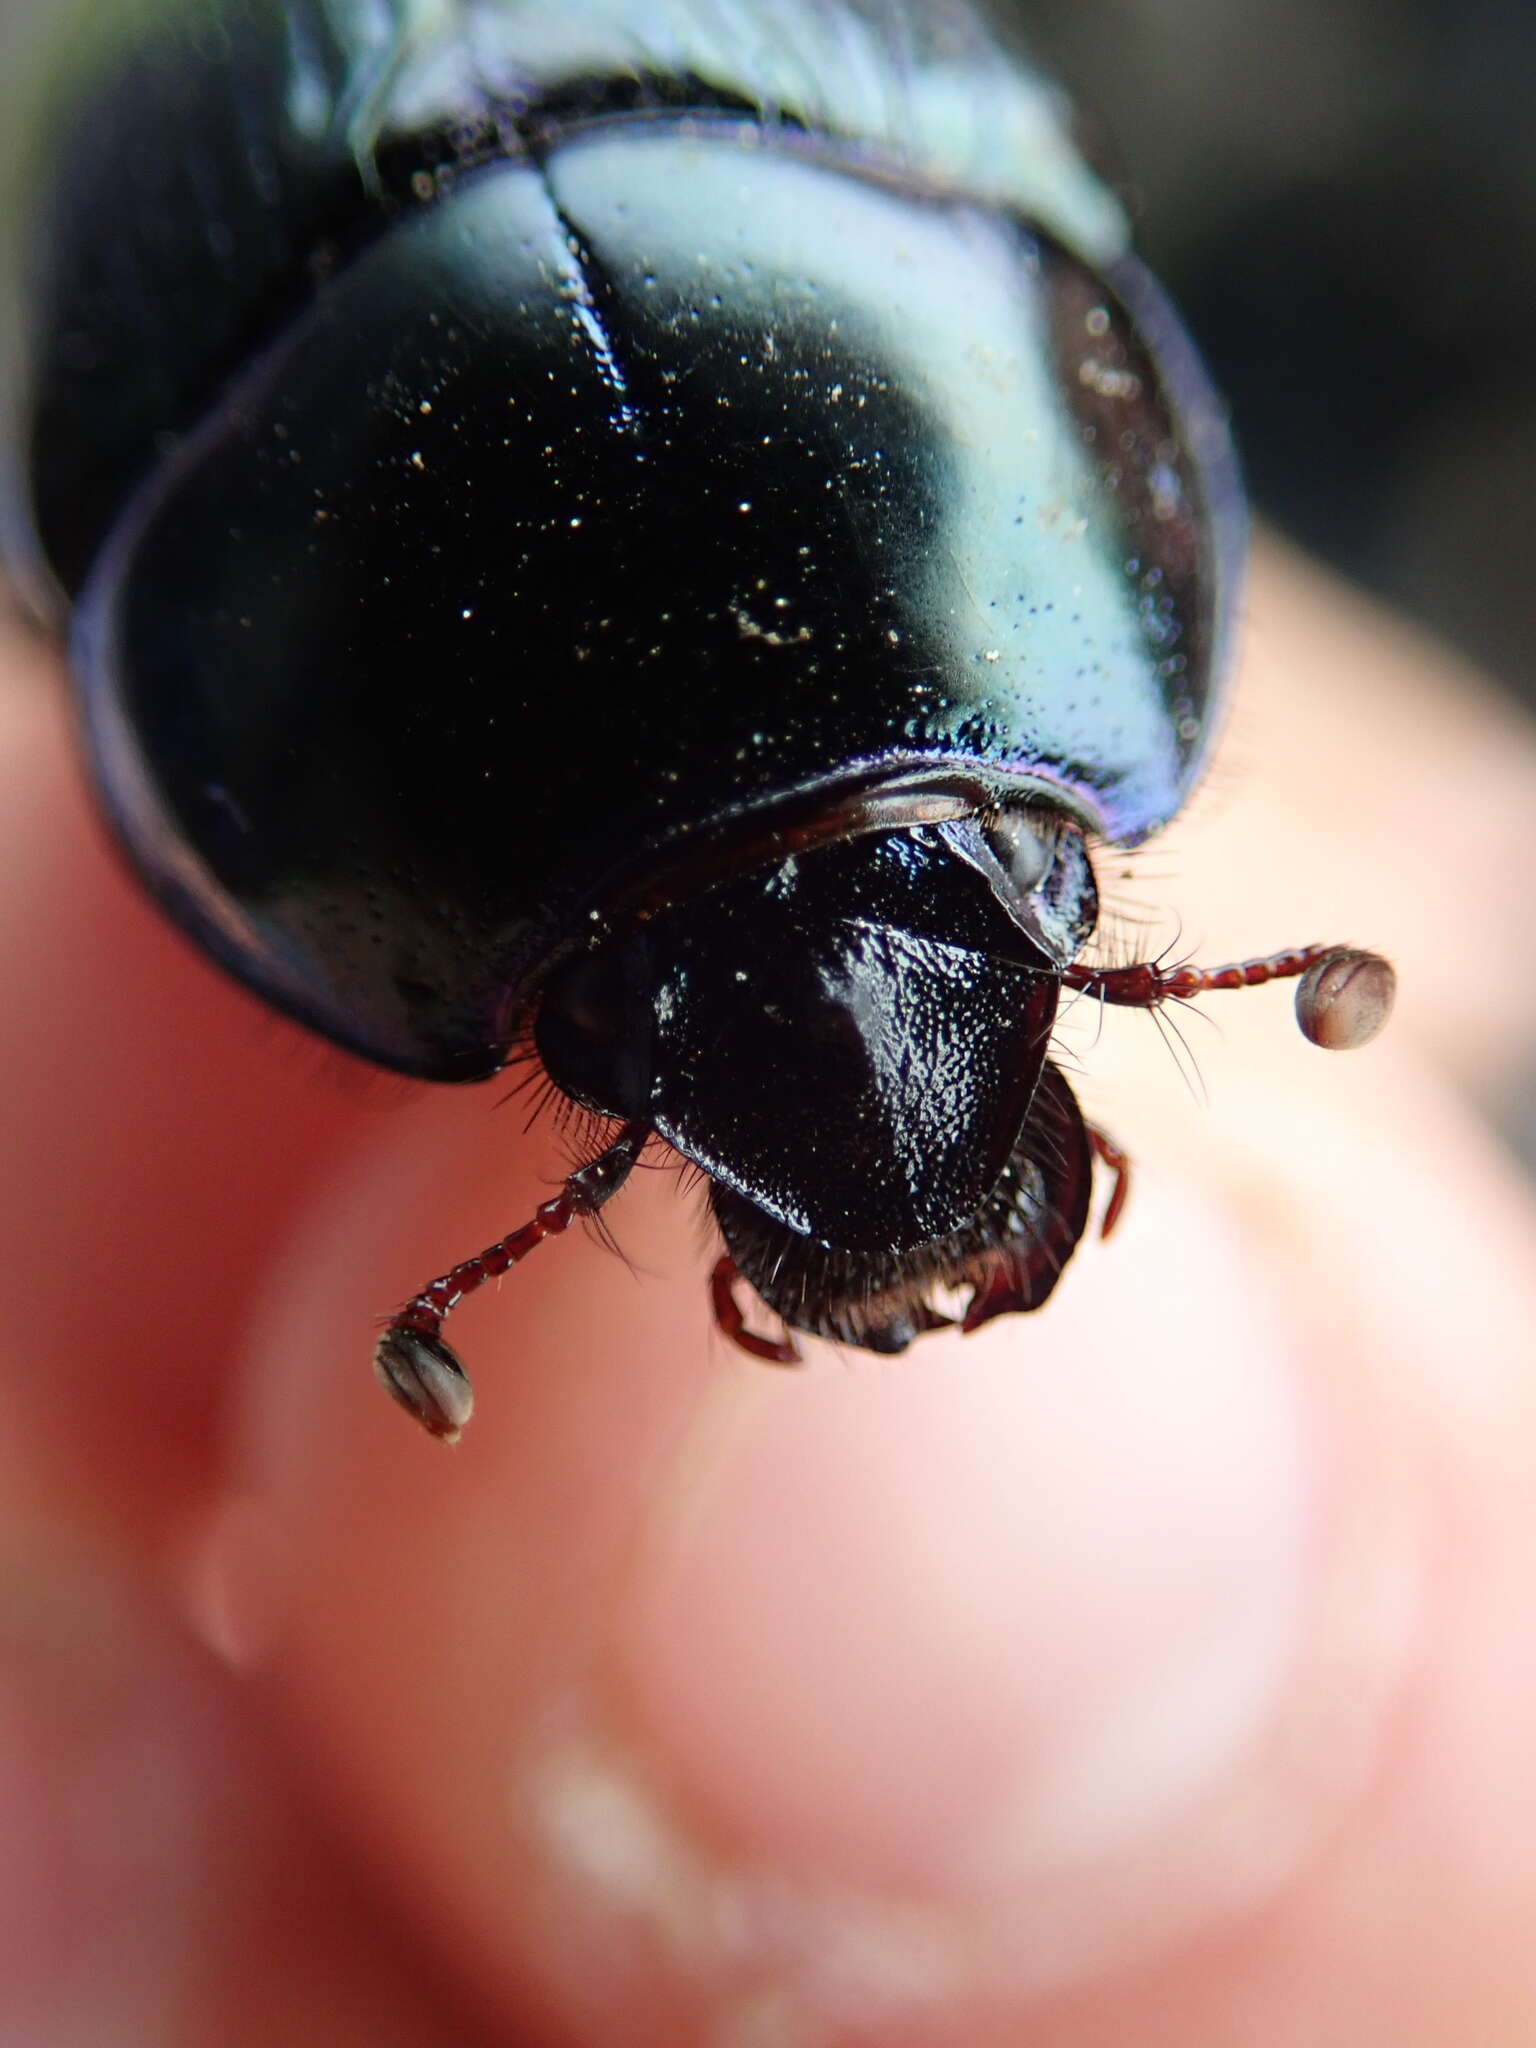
<point x="491" y="448"/>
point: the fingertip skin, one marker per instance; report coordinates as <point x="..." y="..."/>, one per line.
<point x="161" y="1129"/>
<point x="157" y="1259"/>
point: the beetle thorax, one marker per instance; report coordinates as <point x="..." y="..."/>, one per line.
<point x="848" y="1040"/>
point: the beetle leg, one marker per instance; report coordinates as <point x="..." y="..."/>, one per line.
<point x="413" y="1362"/>
<point x="1018" y="1277"/>
<point x="1119" y="1163"/>
<point x="1012" y="1283"/>
<point x="729" y="1317"/>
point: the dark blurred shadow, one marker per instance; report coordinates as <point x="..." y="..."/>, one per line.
<point x="1342" y="194"/>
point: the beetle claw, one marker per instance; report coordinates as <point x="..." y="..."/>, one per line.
<point x="1109" y="1154"/>
<point x="733" y="1324"/>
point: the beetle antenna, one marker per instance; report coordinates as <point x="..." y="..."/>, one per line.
<point x="414" y="1363"/>
<point x="1344" y="999"/>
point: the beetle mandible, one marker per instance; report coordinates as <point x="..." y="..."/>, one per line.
<point x="655" y="533"/>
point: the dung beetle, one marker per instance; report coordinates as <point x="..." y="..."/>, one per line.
<point x="655" y="536"/>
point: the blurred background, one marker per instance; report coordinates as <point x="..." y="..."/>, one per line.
<point x="1342" y="196"/>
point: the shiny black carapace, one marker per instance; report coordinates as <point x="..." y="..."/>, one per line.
<point x="662" y="532"/>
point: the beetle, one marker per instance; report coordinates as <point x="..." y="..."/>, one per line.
<point x="658" y="536"/>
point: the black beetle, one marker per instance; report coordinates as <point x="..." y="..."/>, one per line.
<point x="657" y="532"/>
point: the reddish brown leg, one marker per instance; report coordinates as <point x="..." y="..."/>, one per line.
<point x="722" y="1294"/>
<point x="414" y="1363"/>
<point x="1119" y="1165"/>
<point x="1145" y="984"/>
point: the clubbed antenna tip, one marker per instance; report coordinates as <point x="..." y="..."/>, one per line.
<point x="1344" y="1000"/>
<point x="426" y="1379"/>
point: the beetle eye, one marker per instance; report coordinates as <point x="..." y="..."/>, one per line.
<point x="1025" y="844"/>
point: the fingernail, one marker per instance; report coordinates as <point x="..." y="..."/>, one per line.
<point x="98" y="1821"/>
<point x="1018" y="1657"/>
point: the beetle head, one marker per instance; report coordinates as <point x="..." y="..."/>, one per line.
<point x="849" y="1040"/>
